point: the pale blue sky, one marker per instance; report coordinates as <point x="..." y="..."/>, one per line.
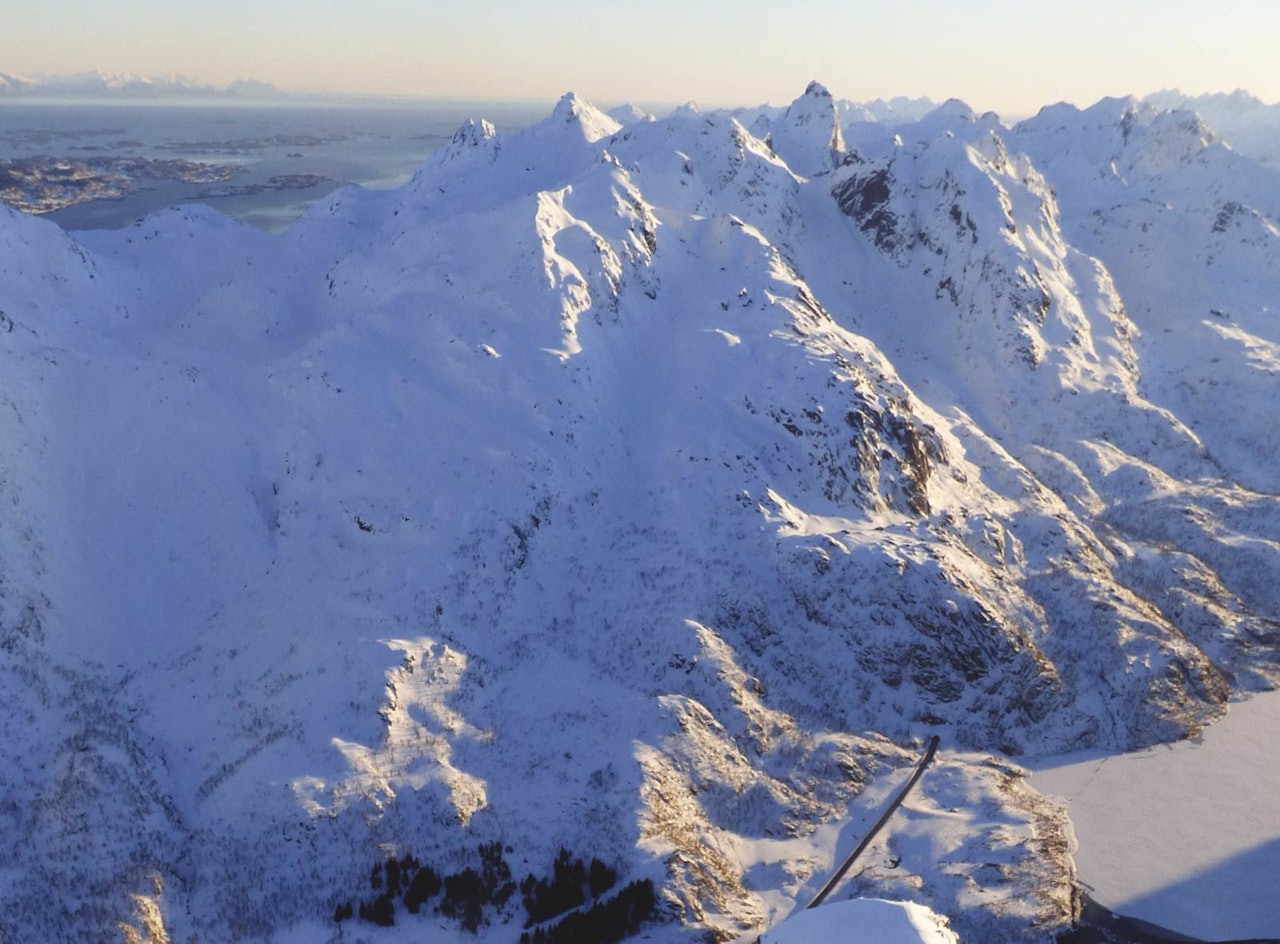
<point x="1007" y="55"/>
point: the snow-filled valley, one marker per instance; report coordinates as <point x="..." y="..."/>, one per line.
<point x="644" y="489"/>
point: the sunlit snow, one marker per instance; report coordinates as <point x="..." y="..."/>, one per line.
<point x="650" y="491"/>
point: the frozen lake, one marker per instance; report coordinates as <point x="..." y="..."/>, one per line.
<point x="1185" y="836"/>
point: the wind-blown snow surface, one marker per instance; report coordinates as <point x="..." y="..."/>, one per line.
<point x="1186" y="835"/>
<point x="642" y="490"/>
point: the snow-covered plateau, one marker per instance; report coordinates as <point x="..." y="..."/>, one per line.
<point x="583" y="539"/>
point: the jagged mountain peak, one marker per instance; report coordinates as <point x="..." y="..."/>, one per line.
<point x="1104" y="131"/>
<point x="1058" y="114"/>
<point x="470" y="137"/>
<point x="1127" y="136"/>
<point x="475" y="140"/>
<point x="816" y="89"/>
<point x="899" y="109"/>
<point x="1185" y="127"/>
<point x="808" y="135"/>
<point x="1105" y="112"/>
<point x="1250" y="126"/>
<point x="575" y="111"/>
<point x="855" y="113"/>
<point x="1238" y="101"/>
<point x="956" y="108"/>
<point x="952" y="118"/>
<point x="472" y="133"/>
<point x="1111" y="109"/>
<point x="628" y="113"/>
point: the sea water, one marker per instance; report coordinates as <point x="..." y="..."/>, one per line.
<point x="322" y="144"/>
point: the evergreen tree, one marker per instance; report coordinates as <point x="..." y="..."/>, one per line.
<point x="424" y="885"/>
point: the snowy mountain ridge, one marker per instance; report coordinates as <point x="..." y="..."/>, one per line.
<point x="126" y="85"/>
<point x="1247" y="123"/>
<point x="644" y="490"/>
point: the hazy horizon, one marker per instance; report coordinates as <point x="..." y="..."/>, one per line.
<point x="1001" y="55"/>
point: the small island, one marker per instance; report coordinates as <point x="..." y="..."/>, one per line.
<point x="45" y="183"/>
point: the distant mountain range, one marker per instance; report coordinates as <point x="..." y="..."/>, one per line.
<point x="98" y="84"/>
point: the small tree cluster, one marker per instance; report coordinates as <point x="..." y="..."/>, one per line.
<point x="570" y="883"/>
<point x="465" y="895"/>
<point x="381" y="911"/>
<point x="496" y="874"/>
<point x="600" y="878"/>
<point x="390" y="879"/>
<point x="605" y="922"/>
<point x="424" y="886"/>
<point x="464" y="898"/>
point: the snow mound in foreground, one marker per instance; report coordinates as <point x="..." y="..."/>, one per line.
<point x="864" y="921"/>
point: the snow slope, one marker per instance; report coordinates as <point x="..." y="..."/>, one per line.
<point x="863" y="920"/>
<point x="647" y="491"/>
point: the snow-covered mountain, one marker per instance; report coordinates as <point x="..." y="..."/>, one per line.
<point x="99" y="84"/>
<point x="14" y="84"/>
<point x="1248" y="124"/>
<point x="647" y="491"/>
<point x="1187" y="229"/>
